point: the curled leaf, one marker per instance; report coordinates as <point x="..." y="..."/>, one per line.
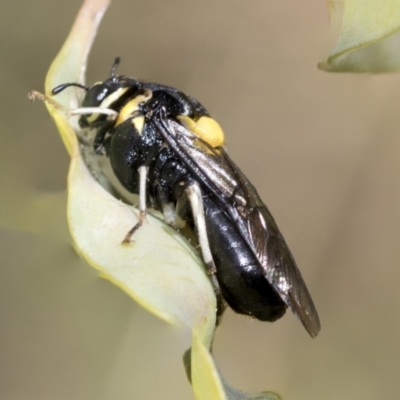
<point x="160" y="269"/>
<point x="370" y="38"/>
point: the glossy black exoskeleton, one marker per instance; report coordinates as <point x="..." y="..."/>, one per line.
<point x="164" y="146"/>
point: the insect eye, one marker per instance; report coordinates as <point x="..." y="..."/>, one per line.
<point x="95" y="95"/>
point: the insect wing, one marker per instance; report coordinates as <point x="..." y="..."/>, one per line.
<point x="234" y="192"/>
<point x="275" y="257"/>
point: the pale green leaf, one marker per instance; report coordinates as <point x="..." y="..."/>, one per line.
<point x="370" y="38"/>
<point x="160" y="269"/>
<point x="208" y="382"/>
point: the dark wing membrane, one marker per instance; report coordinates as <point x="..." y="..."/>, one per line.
<point x="280" y="268"/>
<point x="274" y="255"/>
<point x="214" y="168"/>
<point x="206" y="162"/>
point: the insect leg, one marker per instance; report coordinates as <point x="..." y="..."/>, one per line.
<point x="193" y="193"/>
<point x="143" y="171"/>
<point x="101" y="142"/>
<point x="112" y="114"/>
<point x="168" y="208"/>
<point x="94" y="110"/>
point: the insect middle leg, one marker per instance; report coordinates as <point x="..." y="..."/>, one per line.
<point x="189" y="198"/>
<point x="143" y="172"/>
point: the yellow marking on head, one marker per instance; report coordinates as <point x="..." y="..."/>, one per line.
<point x="107" y="102"/>
<point x="129" y="109"/>
<point x="206" y="128"/>
<point x="114" y="96"/>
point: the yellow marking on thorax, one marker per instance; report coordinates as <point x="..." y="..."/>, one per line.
<point x="131" y="107"/>
<point x="206" y="128"/>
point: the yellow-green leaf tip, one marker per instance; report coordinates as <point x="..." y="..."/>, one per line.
<point x="369" y="39"/>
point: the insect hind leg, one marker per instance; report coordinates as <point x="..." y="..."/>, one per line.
<point x="194" y="195"/>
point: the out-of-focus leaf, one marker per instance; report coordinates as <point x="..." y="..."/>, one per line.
<point x="370" y="38"/>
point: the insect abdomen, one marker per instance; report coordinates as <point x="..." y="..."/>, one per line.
<point x="239" y="274"/>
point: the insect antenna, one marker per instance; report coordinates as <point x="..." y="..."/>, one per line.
<point x="115" y="66"/>
<point x="60" y="88"/>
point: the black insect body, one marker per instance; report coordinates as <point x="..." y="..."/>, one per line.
<point x="164" y="146"/>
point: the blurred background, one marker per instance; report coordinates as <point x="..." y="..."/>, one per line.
<point x="322" y="149"/>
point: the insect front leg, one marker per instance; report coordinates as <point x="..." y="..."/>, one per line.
<point x="101" y="142"/>
<point x="143" y="172"/>
<point x="33" y="95"/>
<point x="194" y="195"/>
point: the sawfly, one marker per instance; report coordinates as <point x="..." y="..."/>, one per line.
<point x="164" y="146"/>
